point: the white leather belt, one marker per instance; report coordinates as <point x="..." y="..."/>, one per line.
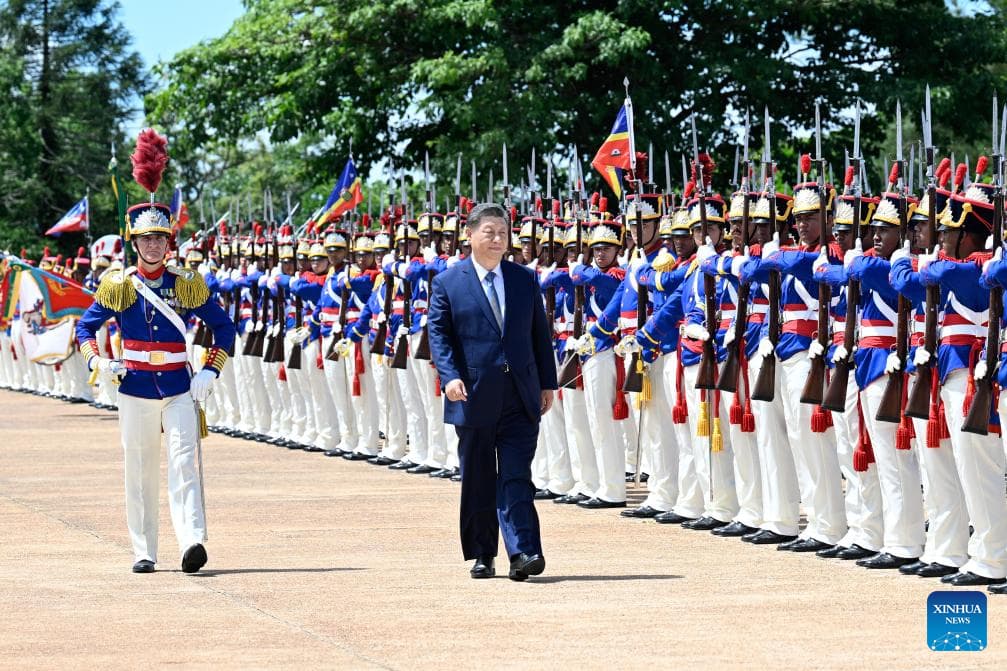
<point x="155" y="357"/>
<point x="877" y="331"/>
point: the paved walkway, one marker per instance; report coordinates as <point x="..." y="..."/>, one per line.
<point x="323" y="563"/>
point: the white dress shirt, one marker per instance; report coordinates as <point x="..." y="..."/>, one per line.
<point x="498" y="284"/>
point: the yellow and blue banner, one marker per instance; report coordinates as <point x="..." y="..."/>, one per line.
<point x="615" y="156"/>
<point x="345" y="196"/>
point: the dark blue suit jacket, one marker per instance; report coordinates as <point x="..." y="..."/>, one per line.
<point x="466" y="343"/>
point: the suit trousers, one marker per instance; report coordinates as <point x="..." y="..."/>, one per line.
<point x="141" y="421"/>
<point x="497" y="491"/>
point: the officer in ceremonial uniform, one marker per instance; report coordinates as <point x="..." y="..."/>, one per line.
<point x="157" y="393"/>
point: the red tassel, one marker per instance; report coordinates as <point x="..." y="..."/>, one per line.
<point x="737" y="412"/>
<point x="358" y="368"/>
<point x="580" y="377"/>
<point x="356" y="385"/>
<point x="748" y="419"/>
<point x="933" y="421"/>
<point x="680" y="413"/>
<point x="863" y="456"/>
<point x="319" y="364"/>
<point x="828" y="419"/>
<point x="904" y="434"/>
<point x="620" y="410"/>
<point x="282" y="375"/>
<point x="437" y="385"/>
<point x="559" y="395"/>
<point x="902" y="438"/>
<point x="819" y="421"/>
<point x="943" y="422"/>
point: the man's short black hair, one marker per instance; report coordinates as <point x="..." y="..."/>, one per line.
<point x="484" y="210"/>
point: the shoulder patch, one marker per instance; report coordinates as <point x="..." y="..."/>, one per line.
<point x="115" y="292"/>
<point x="183" y="273"/>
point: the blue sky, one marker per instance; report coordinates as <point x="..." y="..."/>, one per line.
<point x="160" y="30"/>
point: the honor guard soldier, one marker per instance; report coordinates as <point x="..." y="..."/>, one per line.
<point x="158" y="394"/>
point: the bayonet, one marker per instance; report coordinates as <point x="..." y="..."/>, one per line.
<point x="475" y="196"/>
<point x="667" y="174"/>
<point x="650" y="163"/>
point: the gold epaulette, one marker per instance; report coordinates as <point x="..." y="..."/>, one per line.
<point x="664" y="262"/>
<point x="693" y="267"/>
<point x="190" y="288"/>
<point x="115" y="291"/>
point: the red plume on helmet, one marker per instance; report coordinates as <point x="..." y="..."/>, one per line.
<point x="150" y="158"/>
<point x="945" y="164"/>
<point x="805" y="164"/>
<point x="556" y="205"/>
<point x="365" y="221"/>
<point x="118" y="246"/>
<point x="848" y="179"/>
<point x="981" y="166"/>
<point x="513" y="214"/>
<point x="893" y="175"/>
<point x="960" y="174"/>
<point x="708" y="166"/>
<point x="689" y="188"/>
<point x="594" y="198"/>
<point x="602" y="205"/>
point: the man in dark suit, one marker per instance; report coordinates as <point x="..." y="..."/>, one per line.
<point x="491" y="343"/>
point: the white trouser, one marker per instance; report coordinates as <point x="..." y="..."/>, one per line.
<point x="747" y="478"/>
<point x="76" y="373"/>
<point x="781" y="499"/>
<point x="431" y="407"/>
<point x="141" y="421"/>
<point x="943" y="500"/>
<point x="409" y="380"/>
<point x="899" y="476"/>
<point x="272" y="394"/>
<point x="243" y="379"/>
<point x="599" y="392"/>
<point x="714" y="470"/>
<point x="227" y="401"/>
<point x="980" y="463"/>
<point x="6" y="361"/>
<point x="339" y="388"/>
<point x="690" y="496"/>
<point x="299" y="413"/>
<point x="658" y="444"/>
<point x="391" y="410"/>
<point x="863" y="491"/>
<point x="320" y="403"/>
<point x="365" y="406"/>
<point x="552" y="443"/>
<point x="583" y="462"/>
<point x="815" y="457"/>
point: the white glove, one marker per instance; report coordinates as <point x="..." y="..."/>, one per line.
<point x="423" y="320"/>
<point x="738" y="261"/>
<point x="771" y="247"/>
<point x="815" y="350"/>
<point x="892" y="363"/>
<point x="729" y="335"/>
<point x="840" y="353"/>
<point x="112" y="367"/>
<point x="249" y="326"/>
<point x="821" y="261"/>
<point x="201" y="383"/>
<point x="989" y="242"/>
<point x="695" y="332"/>
<point x="387" y="260"/>
<point x="705" y="252"/>
<point x="852" y="254"/>
<point x="639" y="260"/>
<point x="403" y="331"/>
<point x="997" y="255"/>
<point x="236" y="274"/>
<point x="627" y="346"/>
<point x="454" y="259"/>
<point x="300" y="334"/>
<point x="980" y="371"/>
<point x="925" y="259"/>
<point x="381" y="318"/>
<point x="901" y="253"/>
<point x="275" y="272"/>
<point x="259" y="325"/>
<point x="575" y="268"/>
<point x="623" y="258"/>
<point x="344" y="347"/>
<point x="548" y="270"/>
<point x="429" y="254"/>
<point x="921" y="357"/>
<point x="533" y="265"/>
<point x="337" y="328"/>
<point x="587" y="345"/>
<point x="765" y="348"/>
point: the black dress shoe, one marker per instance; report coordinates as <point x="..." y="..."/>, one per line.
<point x="935" y="570"/>
<point x="194" y="559"/>
<point x="444" y="473"/>
<point x="421" y="469"/>
<point x="334" y="453"/>
<point x="546" y="494"/>
<point x="830" y="553"/>
<point x="143" y="566"/>
<point x="523" y="565"/>
<point x="855" y="552"/>
<point x="403" y="465"/>
<point x="483" y="568"/>
<point x="595" y="503"/>
<point x="382" y="461"/>
<point x="356" y="456"/>
<point x="999" y="588"/>
<point x="704" y="523"/>
<point x="969" y="579"/>
<point x="766" y="537"/>
<point x="811" y="545"/>
<point x="884" y="560"/>
<point x="671" y="517"/>
<point x="571" y="498"/>
<point x="733" y="530"/>
<point x="456" y="476"/>
<point x="790" y="545"/>
<point x="911" y="569"/>
<point x="643" y="512"/>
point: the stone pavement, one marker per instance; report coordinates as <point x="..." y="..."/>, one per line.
<point x="322" y="563"/>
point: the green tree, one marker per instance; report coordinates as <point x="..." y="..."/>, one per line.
<point x="462" y="76"/>
<point x="70" y="79"/>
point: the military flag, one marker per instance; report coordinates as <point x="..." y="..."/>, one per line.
<point x="179" y="210"/>
<point x="345" y="196"/>
<point x="74" y="221"/>
<point x="615" y="156"/>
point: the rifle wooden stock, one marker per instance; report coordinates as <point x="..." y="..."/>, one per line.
<point x="634" y="377"/>
<point x="400" y="358"/>
<point x="260" y="334"/>
<point x="918" y="403"/>
<point x="706" y="377"/>
<point x="814" y="388"/>
<point x="422" y="352"/>
<point x="764" y="388"/>
<point x="294" y="362"/>
<point x="890" y="409"/>
<point x="835" y="395"/>
<point x="280" y="317"/>
<point x="378" y="346"/>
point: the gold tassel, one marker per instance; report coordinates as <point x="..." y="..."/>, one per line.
<point x="203" y="430"/>
<point x="703" y="430"/>
<point x="204" y="357"/>
<point x="93" y="378"/>
<point x="717" y="440"/>
<point x="115" y="292"/>
<point x="646" y="393"/>
<point x="190" y="288"/>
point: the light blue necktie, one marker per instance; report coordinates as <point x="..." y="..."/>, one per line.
<point x="494" y="298"/>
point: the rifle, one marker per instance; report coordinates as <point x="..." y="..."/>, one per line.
<point x="918" y="402"/>
<point x="400" y="359"/>
<point x="378" y="346"/>
<point x="550" y="292"/>
<point x="977" y="419"/>
<point x="422" y="352"/>
<point x="294" y="361"/>
<point x="732" y="364"/>
<point x="706" y="377"/>
<point x="260" y="334"/>
<point x="254" y="292"/>
<point x="764" y="388"/>
<point x="634" y="376"/>
<point x="890" y="409"/>
<point x="814" y="389"/>
<point x="570" y="370"/>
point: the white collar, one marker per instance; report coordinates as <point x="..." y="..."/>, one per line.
<point x="482" y="272"/>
